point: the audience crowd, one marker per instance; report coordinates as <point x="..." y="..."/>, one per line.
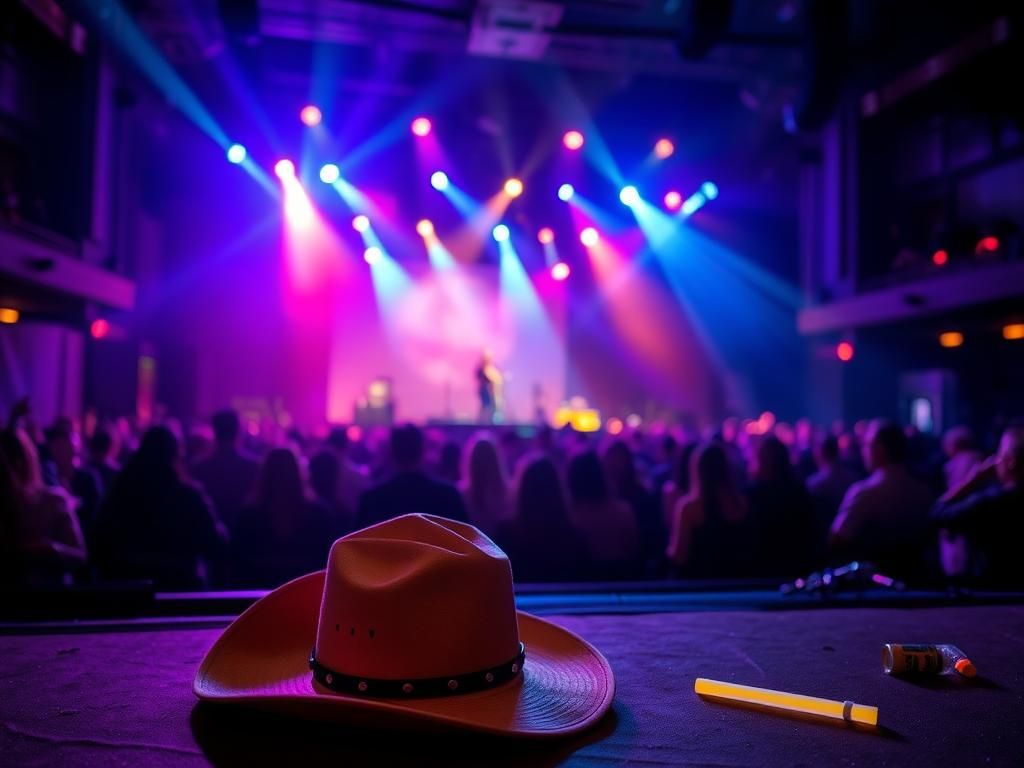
<point x="227" y="508"/>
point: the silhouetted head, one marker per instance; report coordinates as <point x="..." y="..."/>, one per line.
<point x="324" y="470"/>
<point x="407" y="446"/>
<point x="885" y="445"/>
<point x="587" y="482"/>
<point x="226" y="426"/>
<point x="771" y="462"/>
<point x="280" y="481"/>
<point x="101" y="444"/>
<point x="337" y="439"/>
<point x="828" y="451"/>
<point x="619" y="467"/>
<point x="1010" y="459"/>
<point x="957" y="440"/>
<point x="482" y="467"/>
<point x="540" y="498"/>
<point x="710" y="471"/>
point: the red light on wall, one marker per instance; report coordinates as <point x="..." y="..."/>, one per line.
<point x="940" y="258"/>
<point x="99" y="328"/>
<point x="987" y="245"/>
<point x="844" y="351"/>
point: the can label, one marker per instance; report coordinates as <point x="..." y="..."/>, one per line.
<point x="915" y="659"/>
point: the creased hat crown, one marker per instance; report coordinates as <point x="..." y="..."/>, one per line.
<point x="416" y="597"/>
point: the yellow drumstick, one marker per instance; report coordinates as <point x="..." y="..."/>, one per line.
<point x="794" y="702"/>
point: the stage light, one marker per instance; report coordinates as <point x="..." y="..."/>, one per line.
<point x="500" y="233"/>
<point x="951" y="339"/>
<point x="565" y="192"/>
<point x="693" y="203"/>
<point x="9" y="315"/>
<point x="664" y="148"/>
<point x="673" y="200"/>
<point x="613" y="426"/>
<point x="709" y="189"/>
<point x="1011" y="332"/>
<point x="629" y="195"/>
<point x="360" y="223"/>
<point x="372" y="255"/>
<point x="546" y="235"/>
<point x="310" y="115"/>
<point x="844" y="351"/>
<point x="424" y="227"/>
<point x="284" y="169"/>
<point x="589" y="237"/>
<point x="236" y="153"/>
<point x="513" y="187"/>
<point x="560" y="270"/>
<point x="329" y="173"/>
<point x="986" y="245"/>
<point x="572" y="140"/>
<point x="99" y="328"/>
<point x="940" y="258"/>
<point x="439" y="180"/>
<point x="421" y="126"/>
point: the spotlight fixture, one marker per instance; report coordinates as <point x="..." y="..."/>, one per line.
<point x="565" y="192"/>
<point x="372" y="255"/>
<point x="589" y="237"/>
<point x="673" y="200"/>
<point x="361" y="223"/>
<point x="329" y="173"/>
<point x="560" y="270"/>
<point x="500" y="233"/>
<point x="421" y="126"/>
<point x="424" y="227"/>
<point x="572" y="140"/>
<point x="940" y="258"/>
<point x="693" y="203"/>
<point x="709" y="189"/>
<point x="664" y="148"/>
<point x="629" y="195"/>
<point x="236" y="153"/>
<point x="546" y="235"/>
<point x="844" y="351"/>
<point x="513" y="187"/>
<point x="284" y="169"/>
<point x="9" y="315"/>
<point x="310" y="115"/>
<point x="439" y="181"/>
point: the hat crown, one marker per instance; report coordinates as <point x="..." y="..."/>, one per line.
<point x="416" y="597"/>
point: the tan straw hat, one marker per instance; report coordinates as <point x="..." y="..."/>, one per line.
<point x="412" y="624"/>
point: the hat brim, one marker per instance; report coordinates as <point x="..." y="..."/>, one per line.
<point x="261" y="660"/>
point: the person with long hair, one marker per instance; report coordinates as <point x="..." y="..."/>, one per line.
<point x="156" y="526"/>
<point x="540" y="539"/>
<point x="608" y="524"/>
<point x="484" y="486"/>
<point x="781" y="511"/>
<point x="710" y="534"/>
<point x="624" y="484"/>
<point x="678" y="484"/>
<point x="41" y="523"/>
<point x="282" y="533"/>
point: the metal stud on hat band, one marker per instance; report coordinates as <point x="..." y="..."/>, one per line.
<point x="418" y="688"/>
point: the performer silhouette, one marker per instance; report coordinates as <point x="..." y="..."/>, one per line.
<point x="489" y="381"/>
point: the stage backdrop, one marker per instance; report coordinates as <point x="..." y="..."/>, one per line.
<point x="425" y="329"/>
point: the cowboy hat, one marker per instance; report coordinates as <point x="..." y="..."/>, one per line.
<point x="413" y="623"/>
